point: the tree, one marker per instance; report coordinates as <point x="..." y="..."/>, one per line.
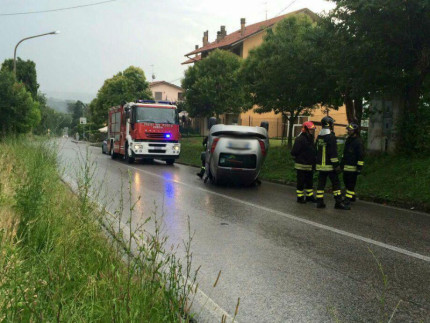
<point x="51" y="120"/>
<point x="125" y="86"/>
<point x="25" y="73"/>
<point x="76" y="111"/>
<point x="19" y="112"/>
<point x="392" y="43"/>
<point x="285" y="73"/>
<point x="211" y="86"/>
<point x="345" y="60"/>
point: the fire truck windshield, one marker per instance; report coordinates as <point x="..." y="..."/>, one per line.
<point x="156" y="115"/>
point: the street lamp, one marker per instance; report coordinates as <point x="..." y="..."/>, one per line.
<point x="14" y="53"/>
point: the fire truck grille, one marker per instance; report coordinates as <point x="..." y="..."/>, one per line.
<point x="156" y="151"/>
<point x="161" y="135"/>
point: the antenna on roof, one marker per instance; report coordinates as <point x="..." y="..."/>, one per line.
<point x="153" y="75"/>
<point x="266" y="8"/>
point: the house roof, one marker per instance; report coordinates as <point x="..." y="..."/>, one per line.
<point x="250" y="30"/>
<point x="152" y="84"/>
<point x="192" y="60"/>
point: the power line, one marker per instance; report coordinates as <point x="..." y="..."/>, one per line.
<point x="289" y="5"/>
<point x="58" y="9"/>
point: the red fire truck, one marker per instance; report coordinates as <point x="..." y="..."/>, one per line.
<point x="144" y="129"/>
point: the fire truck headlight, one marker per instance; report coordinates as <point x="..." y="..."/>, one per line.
<point x="136" y="147"/>
<point x="176" y="147"/>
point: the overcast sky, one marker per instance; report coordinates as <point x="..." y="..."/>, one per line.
<point x="98" y="41"/>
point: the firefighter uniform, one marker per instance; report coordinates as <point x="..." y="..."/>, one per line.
<point x="352" y="162"/>
<point x="203" y="158"/>
<point x="304" y="154"/>
<point x="328" y="166"/>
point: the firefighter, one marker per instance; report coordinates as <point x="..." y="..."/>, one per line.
<point x="328" y="164"/>
<point x="304" y="155"/>
<point x="352" y="161"/>
<point x="203" y="158"/>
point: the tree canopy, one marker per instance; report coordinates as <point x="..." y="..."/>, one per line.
<point x="25" y="73"/>
<point x="211" y="86"/>
<point x="19" y="112"/>
<point x="285" y="74"/>
<point x="128" y="85"/>
<point x="51" y="120"/>
<point x="394" y="44"/>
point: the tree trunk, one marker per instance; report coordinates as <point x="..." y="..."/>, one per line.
<point x="291" y="120"/>
<point x="349" y="107"/>
<point x="358" y="108"/>
<point x="284" y="118"/>
<point x="413" y="96"/>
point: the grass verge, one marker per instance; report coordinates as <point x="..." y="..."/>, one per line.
<point x="387" y="179"/>
<point x="56" y="263"/>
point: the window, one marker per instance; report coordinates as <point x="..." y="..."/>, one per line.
<point x="157" y="115"/>
<point x="158" y="95"/>
<point x="180" y="96"/>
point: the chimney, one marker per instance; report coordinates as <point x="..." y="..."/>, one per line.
<point x="218" y="36"/>
<point x="221" y="34"/>
<point x="196" y="47"/>
<point x="205" y="38"/>
<point x="242" y="26"/>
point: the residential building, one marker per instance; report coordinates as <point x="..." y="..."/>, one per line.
<point x="241" y="42"/>
<point x="162" y="90"/>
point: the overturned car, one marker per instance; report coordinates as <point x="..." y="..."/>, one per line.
<point x="235" y="154"/>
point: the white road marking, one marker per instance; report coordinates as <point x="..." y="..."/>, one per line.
<point x="295" y="218"/>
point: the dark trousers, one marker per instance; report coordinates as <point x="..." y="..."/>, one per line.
<point x="335" y="182"/>
<point x="305" y="183"/>
<point x="350" y="180"/>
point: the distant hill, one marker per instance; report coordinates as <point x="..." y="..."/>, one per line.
<point x="58" y="105"/>
<point x="58" y="100"/>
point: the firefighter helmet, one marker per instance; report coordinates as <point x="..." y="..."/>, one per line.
<point x="308" y="125"/>
<point x="352" y="126"/>
<point x="327" y="121"/>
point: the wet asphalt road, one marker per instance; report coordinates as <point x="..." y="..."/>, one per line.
<point x="286" y="262"/>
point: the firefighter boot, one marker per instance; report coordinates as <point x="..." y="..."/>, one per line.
<point x="347" y="203"/>
<point x="311" y="199"/>
<point x="301" y="199"/>
<point x="201" y="173"/>
<point x="320" y="203"/>
<point x="341" y="205"/>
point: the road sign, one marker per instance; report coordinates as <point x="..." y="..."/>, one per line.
<point x="83" y="120"/>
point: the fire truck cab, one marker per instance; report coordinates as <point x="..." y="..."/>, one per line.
<point x="144" y="129"/>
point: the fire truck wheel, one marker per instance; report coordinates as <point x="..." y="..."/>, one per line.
<point x="170" y="161"/>
<point x="128" y="158"/>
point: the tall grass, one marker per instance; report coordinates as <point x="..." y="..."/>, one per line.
<point x="56" y="263"/>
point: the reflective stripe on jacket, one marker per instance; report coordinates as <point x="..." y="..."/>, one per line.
<point x="353" y="154"/>
<point x="304" y="152"/>
<point x="327" y="158"/>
